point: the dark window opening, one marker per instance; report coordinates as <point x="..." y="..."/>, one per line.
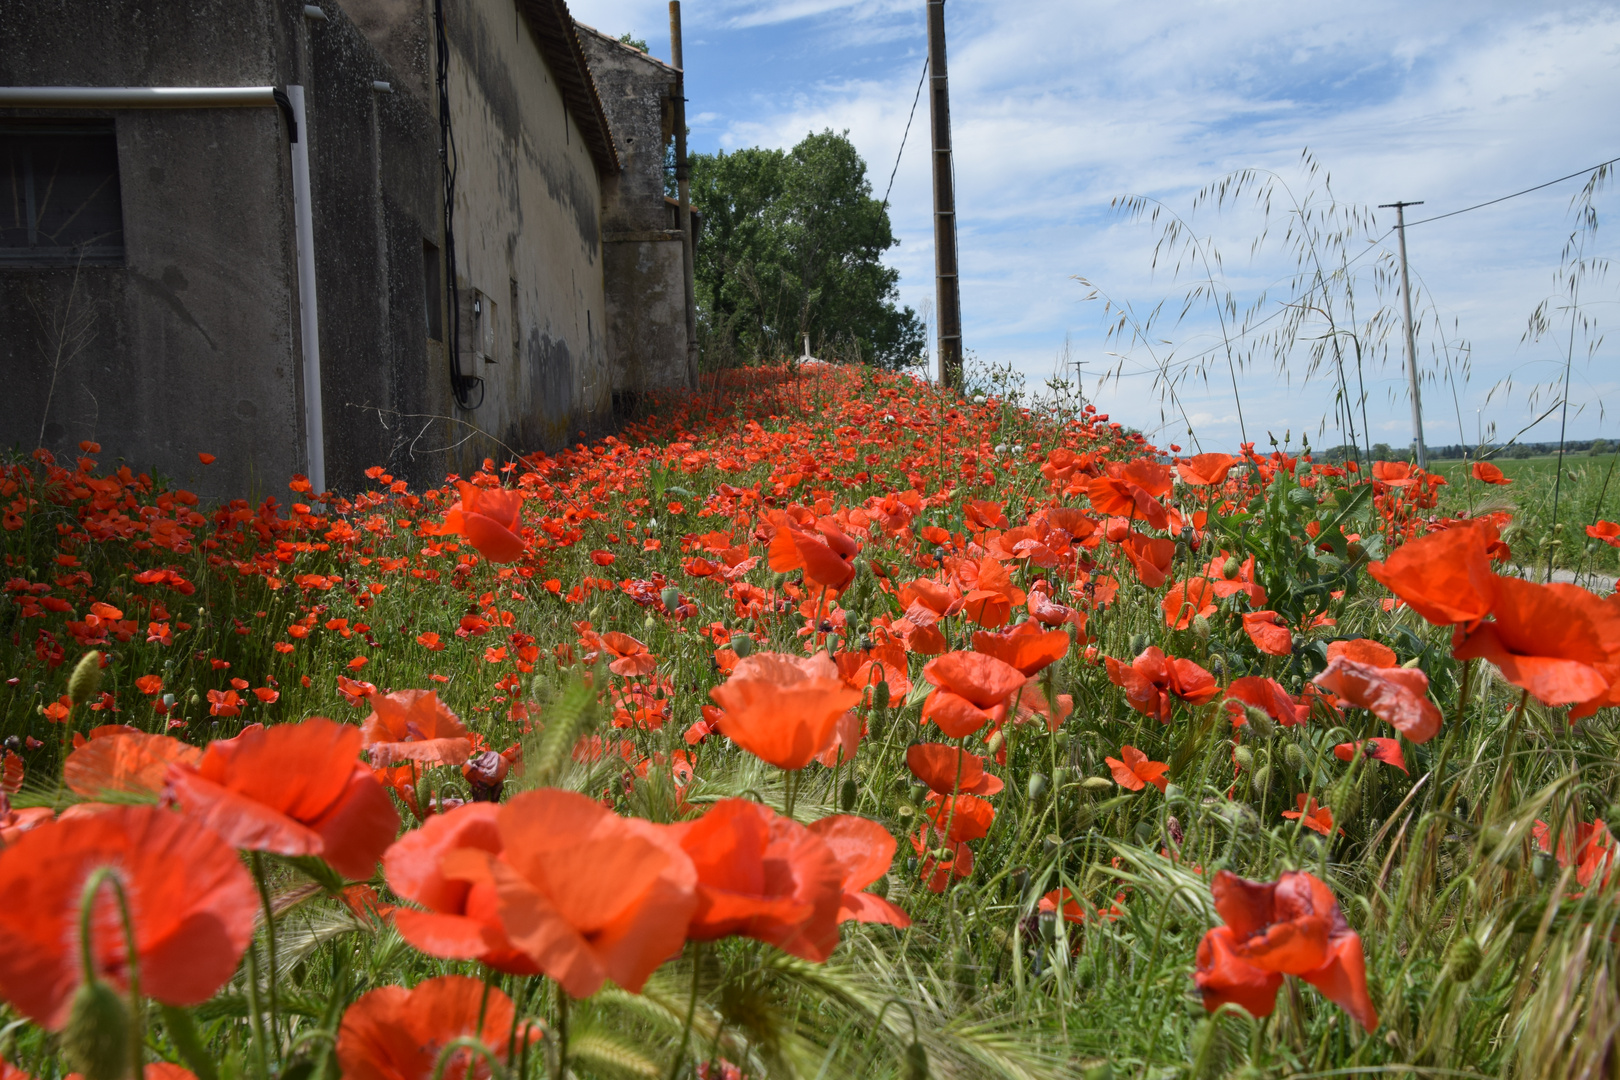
<point x="59" y="196"/>
<point x="517" y="327"/>
<point x="432" y="291"/>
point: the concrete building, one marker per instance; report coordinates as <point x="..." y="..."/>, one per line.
<point x="152" y="292"/>
<point x="641" y="236"/>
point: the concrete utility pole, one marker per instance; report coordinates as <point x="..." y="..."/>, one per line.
<point x="684" y="191"/>
<point x="947" y="292"/>
<point x="1411" y="342"/>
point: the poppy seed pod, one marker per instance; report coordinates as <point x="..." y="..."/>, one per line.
<point x="671" y="598"/>
<point x="1020" y="880"/>
<point x="1050" y="845"/>
<point x="742" y="645"/>
<point x="85" y="682"/>
<point x="1037" y="787"/>
<point x="96" y="1039"/>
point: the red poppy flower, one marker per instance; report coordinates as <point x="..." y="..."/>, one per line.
<point x="845" y="740"/>
<point x="126" y="762"/>
<point x="191" y="901"/>
<point x="489" y="519"/>
<point x="1150" y="556"/>
<point x="825" y="555"/>
<point x="865" y="851"/>
<point x="1317" y="818"/>
<point x="1606" y="531"/>
<point x="1136" y="772"/>
<point x="413" y="725"/>
<point x="1151" y="680"/>
<point x="940" y="861"/>
<point x="462" y="920"/>
<point x="1550" y="640"/>
<point x="1397" y="695"/>
<point x="1061" y="900"/>
<point x="293" y="789"/>
<point x="1589" y="847"/>
<point x="586" y="894"/>
<point x="1292" y="926"/>
<point x="631" y="657"/>
<point x="1445" y="577"/>
<point x="1206" y="470"/>
<point x="763" y="876"/>
<point x="1132" y="490"/>
<point x="1187" y="600"/>
<point x="783" y="708"/>
<point x="1486" y="472"/>
<point x="1026" y="646"/>
<point x="1386" y="750"/>
<point x="972" y="690"/>
<point x="960" y="819"/>
<point x="1363" y="651"/>
<point x="392" y="1033"/>
<point x="1266" y="695"/>
<point x="946" y="769"/>
<point x="1268" y="634"/>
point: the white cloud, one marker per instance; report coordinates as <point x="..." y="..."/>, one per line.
<point x="1059" y="106"/>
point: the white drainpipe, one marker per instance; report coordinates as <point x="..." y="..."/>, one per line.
<point x="218" y="97"/>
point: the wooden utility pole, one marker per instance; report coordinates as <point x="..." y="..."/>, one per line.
<point x="684" y="192"/>
<point x="1411" y="342"/>
<point x="948" y="297"/>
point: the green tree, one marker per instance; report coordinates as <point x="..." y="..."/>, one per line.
<point x="634" y="42"/>
<point x="792" y="245"/>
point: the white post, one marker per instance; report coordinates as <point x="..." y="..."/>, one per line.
<point x="308" y="316"/>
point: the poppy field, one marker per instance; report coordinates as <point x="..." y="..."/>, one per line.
<point x="847" y="728"/>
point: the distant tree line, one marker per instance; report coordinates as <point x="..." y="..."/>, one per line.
<point x="792" y="244"/>
<point x="1458" y="451"/>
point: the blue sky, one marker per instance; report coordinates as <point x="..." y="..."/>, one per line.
<point x="1059" y="106"/>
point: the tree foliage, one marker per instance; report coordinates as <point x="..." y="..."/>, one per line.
<point x="792" y="245"/>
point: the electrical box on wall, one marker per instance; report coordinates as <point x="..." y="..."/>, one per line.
<point x="480" y="317"/>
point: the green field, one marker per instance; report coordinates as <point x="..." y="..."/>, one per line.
<point x="1589" y="493"/>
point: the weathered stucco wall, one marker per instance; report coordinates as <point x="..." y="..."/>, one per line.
<point x="191" y="345"/>
<point x="527" y="229"/>
<point x="646" y="293"/>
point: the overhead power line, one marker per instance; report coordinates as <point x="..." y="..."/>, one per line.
<point x="1515" y="195"/>
<point x="914" y="99"/>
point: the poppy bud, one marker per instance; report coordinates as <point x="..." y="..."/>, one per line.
<point x="1262" y="777"/>
<point x="1294" y="755"/>
<point x="650" y="622"/>
<point x="916" y="1062"/>
<point x="1230" y="568"/>
<point x="1139" y="641"/>
<point x="1463" y="959"/>
<point x="1096" y="783"/>
<point x="995" y="742"/>
<point x="1260" y="720"/>
<point x="671" y="598"/>
<point x="846" y="795"/>
<point x="96" y="1039"/>
<point x="1037" y="787"/>
<point x="1244" y="757"/>
<point x="1200" y="627"/>
<point x="1542" y="866"/>
<point x="85" y="682"/>
<point x="1082" y="819"/>
<point x="880" y="695"/>
<point x="966" y="970"/>
<point x="195" y="699"/>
